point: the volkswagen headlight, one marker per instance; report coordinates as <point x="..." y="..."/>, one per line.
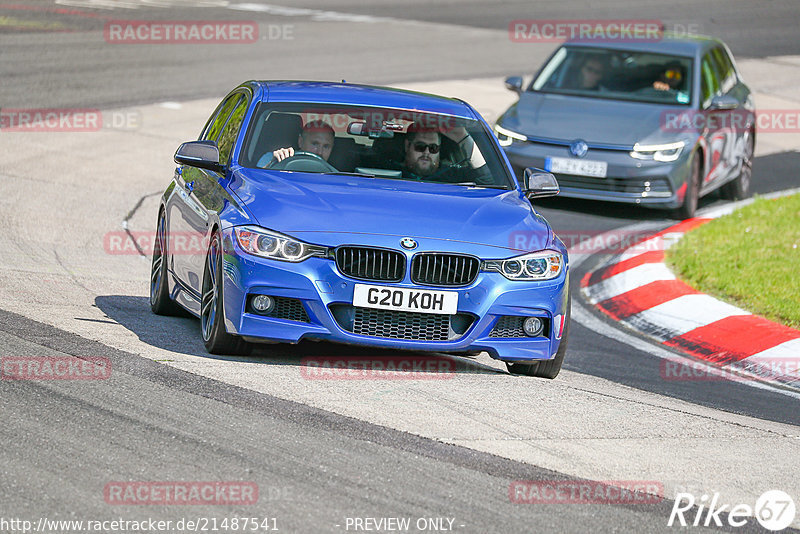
<point x="505" y="136"/>
<point x="666" y="152"/>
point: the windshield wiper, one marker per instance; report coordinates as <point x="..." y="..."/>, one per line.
<point x="363" y="175"/>
<point x="474" y="184"/>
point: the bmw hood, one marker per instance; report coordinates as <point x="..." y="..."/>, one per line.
<point x="595" y="120"/>
<point x="298" y="203"/>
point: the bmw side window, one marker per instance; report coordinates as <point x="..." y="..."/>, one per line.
<point x="230" y="131"/>
<point x="212" y="132"/>
<point x="204" y="134"/>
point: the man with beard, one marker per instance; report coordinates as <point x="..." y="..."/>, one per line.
<point x="423" y="156"/>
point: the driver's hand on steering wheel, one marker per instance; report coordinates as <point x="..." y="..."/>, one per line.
<point x="283" y="153"/>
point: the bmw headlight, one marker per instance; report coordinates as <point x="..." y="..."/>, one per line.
<point x="267" y="244"/>
<point x="543" y="265"/>
<point x="505" y="136"/>
<point x="666" y="152"/>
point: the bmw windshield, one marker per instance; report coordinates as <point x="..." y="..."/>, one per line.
<point x="373" y="142"/>
<point x="617" y="74"/>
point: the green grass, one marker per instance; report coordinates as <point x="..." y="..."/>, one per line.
<point x="750" y="258"/>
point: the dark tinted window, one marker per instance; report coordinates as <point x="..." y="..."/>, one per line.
<point x="375" y="142"/>
<point x="710" y="81"/>
<point x="725" y="69"/>
<point x="215" y="127"/>
<point x="617" y="74"/>
<point x="231" y="130"/>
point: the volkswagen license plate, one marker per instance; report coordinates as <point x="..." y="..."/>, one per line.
<point x="580" y="167"/>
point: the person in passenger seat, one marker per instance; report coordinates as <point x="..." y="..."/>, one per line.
<point x="422" y="158"/>
<point x="670" y="79"/>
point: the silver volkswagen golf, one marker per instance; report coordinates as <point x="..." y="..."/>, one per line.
<point x="656" y="123"/>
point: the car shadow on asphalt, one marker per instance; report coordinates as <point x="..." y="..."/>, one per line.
<point x="182" y="335"/>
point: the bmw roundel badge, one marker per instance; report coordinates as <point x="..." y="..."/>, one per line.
<point x="408" y="243"/>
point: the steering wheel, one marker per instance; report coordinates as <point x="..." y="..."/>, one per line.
<point x="302" y="162"/>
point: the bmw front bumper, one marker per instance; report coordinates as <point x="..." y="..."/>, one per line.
<point x="325" y="297"/>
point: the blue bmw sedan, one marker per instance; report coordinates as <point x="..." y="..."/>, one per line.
<point x="652" y="123"/>
<point x="360" y="215"/>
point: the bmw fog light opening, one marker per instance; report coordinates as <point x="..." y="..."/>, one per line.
<point x="533" y="326"/>
<point x="263" y="304"/>
<point x="544" y="265"/>
<point x="268" y="244"/>
<point x="666" y="152"/>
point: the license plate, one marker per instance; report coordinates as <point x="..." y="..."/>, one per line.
<point x="581" y="167"/>
<point x="405" y="299"/>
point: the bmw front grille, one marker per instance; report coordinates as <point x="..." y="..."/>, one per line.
<point x="367" y="263"/>
<point x="438" y="269"/>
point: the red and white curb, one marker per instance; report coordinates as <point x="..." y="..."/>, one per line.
<point x="637" y="289"/>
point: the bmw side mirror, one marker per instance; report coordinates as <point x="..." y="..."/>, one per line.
<point x="514" y="83"/>
<point x="539" y="183"/>
<point x="723" y="102"/>
<point x="202" y="154"/>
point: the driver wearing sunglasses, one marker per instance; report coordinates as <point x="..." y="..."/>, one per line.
<point x="591" y="74"/>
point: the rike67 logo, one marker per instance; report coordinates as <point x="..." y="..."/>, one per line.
<point x="774" y="510"/>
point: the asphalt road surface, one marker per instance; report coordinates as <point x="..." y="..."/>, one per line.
<point x="325" y="451"/>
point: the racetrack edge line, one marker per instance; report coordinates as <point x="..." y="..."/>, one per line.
<point x="271" y="406"/>
<point x="587" y="318"/>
